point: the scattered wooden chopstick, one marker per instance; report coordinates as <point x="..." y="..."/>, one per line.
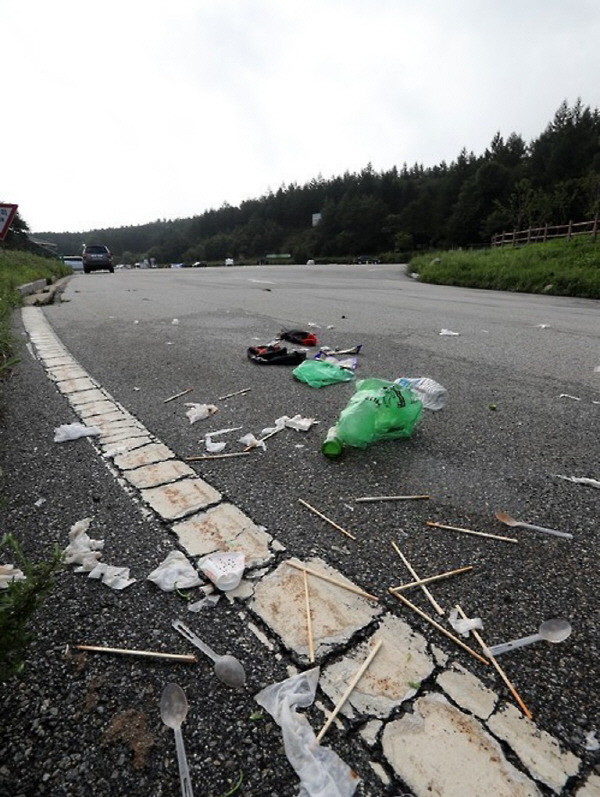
<point x="413" y="573"/>
<point x="217" y="456"/>
<point x="237" y="393"/>
<point x="311" y="644"/>
<point x="501" y="672"/>
<point x="420" y="581"/>
<point x="439" y="627"/>
<point x="178" y="395"/>
<point x="187" y="657"/>
<point x="351" y="686"/>
<point x="470" y="531"/>
<point x="370" y="498"/>
<point x="349" y="587"/>
<point x="325" y="518"/>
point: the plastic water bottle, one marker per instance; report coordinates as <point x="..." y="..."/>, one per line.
<point x="431" y="394"/>
<point x="332" y="446"/>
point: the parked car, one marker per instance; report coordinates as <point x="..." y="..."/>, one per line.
<point x="364" y="259"/>
<point x="97" y="257"/>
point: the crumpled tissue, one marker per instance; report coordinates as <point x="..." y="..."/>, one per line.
<point x="85" y="552"/>
<point x="250" y="441"/>
<point x="321" y="771"/>
<point x="215" y="448"/>
<point x="464" y="626"/>
<point x="298" y="423"/>
<point x="199" y="412"/>
<point x="175" y="572"/>
<point x="8" y="574"/>
<point x="73" y="431"/>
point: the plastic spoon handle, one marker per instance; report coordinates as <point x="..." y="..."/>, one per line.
<point x="184" y="773"/>
<point x="496" y="650"/>
<point x="191" y="637"/>
<point x="547" y="531"/>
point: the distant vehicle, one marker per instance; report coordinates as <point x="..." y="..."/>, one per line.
<point x="97" y="257"/>
<point x="200" y="264"/>
<point x="229" y="261"/>
<point x="75" y="261"/>
<point x="364" y="259"/>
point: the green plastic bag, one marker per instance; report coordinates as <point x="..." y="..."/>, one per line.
<point x="378" y="410"/>
<point x="319" y="373"/>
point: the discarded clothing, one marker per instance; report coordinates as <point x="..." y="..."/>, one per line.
<point x="275" y="355"/>
<point x="299" y="337"/>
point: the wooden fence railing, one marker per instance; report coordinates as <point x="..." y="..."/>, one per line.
<point x="546" y="233"/>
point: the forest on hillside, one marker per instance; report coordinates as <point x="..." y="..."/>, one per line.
<point x="391" y="214"/>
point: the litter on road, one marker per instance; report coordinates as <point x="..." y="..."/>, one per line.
<point x="188" y="658"/>
<point x="325" y="577"/>
<point x="413" y="573"/>
<point x="498" y="668"/>
<point x="435" y="525"/>
<point x="370" y="498"/>
<point x="73" y="431"/>
<point x="428" y="579"/>
<point x="178" y="395"/>
<point x="326" y="519"/>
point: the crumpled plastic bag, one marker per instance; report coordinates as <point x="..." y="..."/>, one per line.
<point x="320" y="373"/>
<point x="175" y="572"/>
<point x="464" y="625"/>
<point x="378" y="410"/>
<point x="321" y="771"/>
<point x="8" y="574"/>
<point x="73" y="431"/>
<point x="199" y="412"/>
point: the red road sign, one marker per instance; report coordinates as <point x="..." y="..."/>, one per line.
<point x="7" y="214"/>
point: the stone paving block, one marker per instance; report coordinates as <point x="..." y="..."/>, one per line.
<point x="74" y="385"/>
<point x="175" y="501"/>
<point x="115" y="415"/>
<point x="539" y="752"/>
<point x="468" y="691"/>
<point x="394" y="675"/>
<point x="121" y="445"/>
<point x="157" y="473"/>
<point x="87" y="396"/>
<point x="591" y="788"/>
<point x="103" y="407"/>
<point x="439" y="750"/>
<point x="146" y="455"/>
<point x="57" y="359"/>
<point x="336" y="613"/>
<point x="61" y="373"/>
<point x="223" y="528"/>
<point x="121" y="430"/>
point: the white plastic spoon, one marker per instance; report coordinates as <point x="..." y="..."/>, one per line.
<point x="227" y="668"/>
<point x="556" y="630"/>
<point x="173" y="710"/>
<point x="508" y="520"/>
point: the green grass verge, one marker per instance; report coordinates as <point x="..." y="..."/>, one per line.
<point x="18" y="268"/>
<point x="560" y="268"/>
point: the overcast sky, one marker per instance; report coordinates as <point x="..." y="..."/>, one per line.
<point x="122" y="112"/>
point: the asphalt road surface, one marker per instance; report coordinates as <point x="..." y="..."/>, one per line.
<point x="523" y="408"/>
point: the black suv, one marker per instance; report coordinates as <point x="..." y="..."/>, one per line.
<point x="97" y="257"/>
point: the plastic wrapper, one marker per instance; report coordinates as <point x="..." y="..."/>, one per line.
<point x="378" y="410"/>
<point x="464" y="626"/>
<point x="320" y="373"/>
<point x="321" y="771"/>
<point x="175" y="572"/>
<point x="199" y="412"/>
<point x="73" y="431"/>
